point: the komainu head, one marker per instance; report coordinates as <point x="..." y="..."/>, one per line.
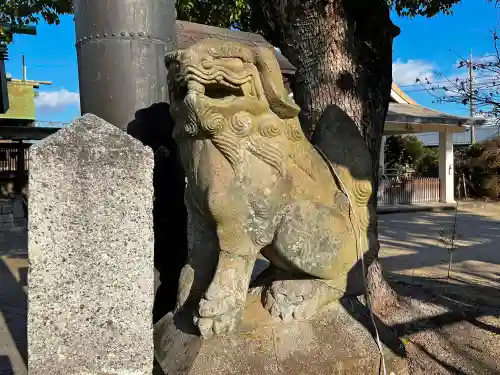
<point x="217" y="84"/>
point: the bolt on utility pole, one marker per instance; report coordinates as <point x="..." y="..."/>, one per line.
<point x="121" y="46"/>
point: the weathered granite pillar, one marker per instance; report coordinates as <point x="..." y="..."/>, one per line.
<point x="91" y="252"/>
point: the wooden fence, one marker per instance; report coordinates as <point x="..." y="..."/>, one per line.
<point x="14" y="164"/>
<point x="14" y="157"/>
<point x="408" y="190"/>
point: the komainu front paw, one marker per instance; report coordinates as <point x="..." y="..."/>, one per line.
<point x="296" y="299"/>
<point x="218" y="316"/>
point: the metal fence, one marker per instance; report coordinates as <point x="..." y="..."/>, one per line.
<point x="407" y="190"/>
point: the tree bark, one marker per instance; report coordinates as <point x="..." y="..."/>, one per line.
<point x="342" y="50"/>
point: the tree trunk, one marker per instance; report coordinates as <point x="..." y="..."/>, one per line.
<point x="342" y="50"/>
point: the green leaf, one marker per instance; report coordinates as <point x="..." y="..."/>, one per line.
<point x="26" y="12"/>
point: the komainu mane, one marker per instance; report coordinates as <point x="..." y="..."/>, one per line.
<point x="255" y="184"/>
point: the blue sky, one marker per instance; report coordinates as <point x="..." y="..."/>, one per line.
<point x="50" y="56"/>
<point x="422" y="48"/>
<point x="428" y="45"/>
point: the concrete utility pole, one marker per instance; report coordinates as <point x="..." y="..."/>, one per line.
<point x="121" y="46"/>
<point x="471" y="99"/>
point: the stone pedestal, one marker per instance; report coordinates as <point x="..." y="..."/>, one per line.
<point x="336" y="341"/>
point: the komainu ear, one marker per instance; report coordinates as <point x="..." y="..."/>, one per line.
<point x="272" y="83"/>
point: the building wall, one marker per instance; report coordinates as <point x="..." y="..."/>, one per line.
<point x="21" y="102"/>
<point x="12" y="213"/>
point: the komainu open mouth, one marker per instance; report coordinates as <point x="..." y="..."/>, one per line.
<point x="219" y="84"/>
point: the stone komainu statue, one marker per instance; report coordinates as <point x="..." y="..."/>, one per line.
<point x="255" y="184"/>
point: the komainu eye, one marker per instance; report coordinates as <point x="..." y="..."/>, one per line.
<point x="207" y="63"/>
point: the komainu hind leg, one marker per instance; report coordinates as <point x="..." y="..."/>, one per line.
<point x="299" y="299"/>
<point x="288" y="294"/>
<point x="316" y="243"/>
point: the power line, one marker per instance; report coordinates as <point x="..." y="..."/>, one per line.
<point x="451" y="88"/>
<point x="493" y="82"/>
<point x="488" y="77"/>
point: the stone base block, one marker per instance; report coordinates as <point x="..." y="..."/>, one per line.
<point x="6" y="225"/>
<point x="7" y="218"/>
<point x="7" y="208"/>
<point x="336" y="341"/>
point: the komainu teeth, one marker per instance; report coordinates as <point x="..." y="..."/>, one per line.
<point x="246" y="88"/>
<point x="196" y="86"/>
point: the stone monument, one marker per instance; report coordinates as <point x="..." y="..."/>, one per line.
<point x="257" y="187"/>
<point x="91" y="252"/>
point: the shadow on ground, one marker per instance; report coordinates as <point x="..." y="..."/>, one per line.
<point x="5" y="365"/>
<point x="411" y="246"/>
<point x="451" y="325"/>
<point x="444" y="331"/>
<point x="13" y="300"/>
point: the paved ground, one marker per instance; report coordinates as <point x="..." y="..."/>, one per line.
<point x="410" y="242"/>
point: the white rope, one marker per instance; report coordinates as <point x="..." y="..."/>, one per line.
<point x="359" y="254"/>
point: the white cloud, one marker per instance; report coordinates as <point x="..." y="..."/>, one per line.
<point x="405" y="73"/>
<point x="57" y="100"/>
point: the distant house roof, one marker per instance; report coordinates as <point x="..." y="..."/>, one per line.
<point x="188" y="33"/>
<point x="406" y="116"/>
<point x="399" y="96"/>
<point x="412" y="118"/>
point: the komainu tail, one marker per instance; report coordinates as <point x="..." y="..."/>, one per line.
<point x="339" y="140"/>
<point x="337" y="136"/>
